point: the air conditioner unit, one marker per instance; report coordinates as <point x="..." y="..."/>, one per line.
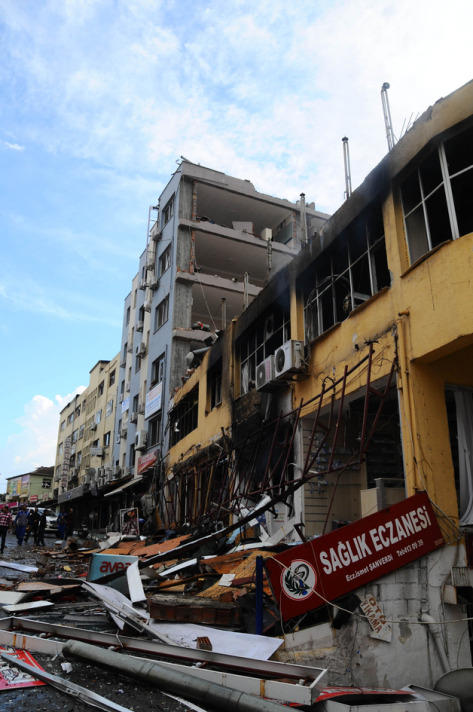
<point x="265" y="372"/>
<point x="127" y="387"/>
<point x="133" y="417"/>
<point x="154" y="284"/>
<point x="123" y="432"/>
<point x="139" y="326"/>
<point x="147" y="306"/>
<point x="117" y="438"/>
<point x="150" y="261"/>
<point x="142" y="348"/>
<point x="93" y="426"/>
<point x="96" y="451"/>
<point x="117" y="471"/>
<point x="141" y="439"/>
<point x="141" y="409"/>
<point x="123" y="363"/>
<point x="91" y="472"/>
<point x="142" y="284"/>
<point x="130" y="348"/>
<point x="289" y="358"/>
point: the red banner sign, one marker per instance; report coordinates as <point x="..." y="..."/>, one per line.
<point x="307" y="576"/>
<point x="147" y="461"/>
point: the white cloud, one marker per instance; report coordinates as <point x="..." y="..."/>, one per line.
<point x="34" y="444"/>
<point x="13" y="146"/>
<point x="266" y="96"/>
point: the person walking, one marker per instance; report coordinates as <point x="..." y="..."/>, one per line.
<point x="21" y="520"/>
<point x="61" y="526"/>
<point x="5" y="522"/>
<point x="41" y="528"/>
<point x="32" y="526"/>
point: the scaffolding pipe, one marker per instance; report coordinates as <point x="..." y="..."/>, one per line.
<point x="172" y="681"/>
<point x="387" y="116"/>
<point x="346" y="164"/>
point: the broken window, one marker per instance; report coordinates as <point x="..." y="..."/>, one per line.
<point x="168" y="211"/>
<point x="268" y="333"/>
<point x="165" y="261"/>
<point x="214" y="381"/>
<point x="436" y="195"/>
<point x="346" y="274"/>
<point x="157" y="370"/>
<point x="459" y="402"/>
<point x="184" y="416"/>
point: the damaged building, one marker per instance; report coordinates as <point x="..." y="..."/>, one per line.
<point x="345" y="387"/>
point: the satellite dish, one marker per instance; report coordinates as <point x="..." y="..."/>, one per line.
<point x="458" y="683"/>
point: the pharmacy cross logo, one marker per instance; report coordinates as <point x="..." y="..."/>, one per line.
<point x="298" y="580"/>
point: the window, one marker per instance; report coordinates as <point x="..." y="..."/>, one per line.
<point x="184" y="416"/>
<point x="157" y="370"/>
<point x="436" y="195"/>
<point x="168" y="211"/>
<point x="101" y="388"/>
<point x="109" y="408"/>
<point x="81" y="431"/>
<point x="78" y="458"/>
<point x="135" y="403"/>
<point x="46" y="483"/>
<point x="351" y="270"/>
<point x="214" y="381"/>
<point x="70" y="418"/>
<point x="98" y="416"/>
<point x="77" y="411"/>
<point x="131" y="459"/>
<point x="122" y="388"/>
<point x="75" y="436"/>
<point x="154" y="430"/>
<point x="111" y="378"/>
<point x="128" y="316"/>
<point x="60" y="449"/>
<point x="161" y="313"/>
<point x="137" y="363"/>
<point x="95" y="443"/>
<point x="165" y="260"/>
<point x="261" y="340"/>
<point x="63" y="425"/>
<point x="106" y="439"/>
<point x="125" y="349"/>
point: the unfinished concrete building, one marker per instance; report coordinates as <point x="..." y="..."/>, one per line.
<point x="213" y="243"/>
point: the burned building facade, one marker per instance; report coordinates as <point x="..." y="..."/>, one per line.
<point x="345" y="387"/>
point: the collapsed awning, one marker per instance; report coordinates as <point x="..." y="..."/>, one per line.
<point x="131" y="483"/>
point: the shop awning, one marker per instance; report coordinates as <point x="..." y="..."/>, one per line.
<point x="131" y="483"/>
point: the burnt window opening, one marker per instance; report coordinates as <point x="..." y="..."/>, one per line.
<point x="436" y="195"/>
<point x="270" y="331"/>
<point x="459" y="404"/>
<point x="184" y="417"/>
<point x="383" y="457"/>
<point x="350" y="271"/>
<point x="214" y="381"/>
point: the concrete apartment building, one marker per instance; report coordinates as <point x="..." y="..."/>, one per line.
<point x="31" y="487"/>
<point x="213" y="243"/>
<point x="84" y="463"/>
<point x="347" y="387"/>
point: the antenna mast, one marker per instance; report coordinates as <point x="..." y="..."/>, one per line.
<point x="387" y="115"/>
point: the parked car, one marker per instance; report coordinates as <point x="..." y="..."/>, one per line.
<point x="51" y="519"/>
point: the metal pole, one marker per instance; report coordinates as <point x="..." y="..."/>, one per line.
<point x="346" y="164"/>
<point x="223" y="318"/>
<point x="246" y="280"/>
<point x="259" y="595"/>
<point x="387" y="115"/>
<point x="303" y="220"/>
<point x="172" y="681"/>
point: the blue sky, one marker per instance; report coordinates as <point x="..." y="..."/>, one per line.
<point x="99" y="98"/>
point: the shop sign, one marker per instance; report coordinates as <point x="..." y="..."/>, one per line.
<point x="307" y="576"/>
<point x="147" y="461"/>
<point x="380" y="628"/>
<point x="153" y="400"/>
<point x="104" y="564"/>
<point x="34" y="498"/>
